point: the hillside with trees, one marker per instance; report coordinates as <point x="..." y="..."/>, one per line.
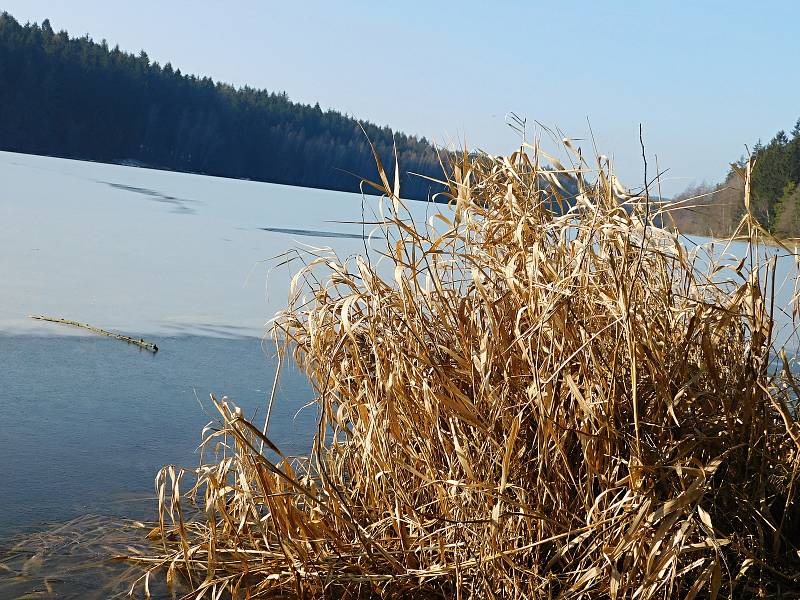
<point x="775" y="193"/>
<point x="77" y="98"/>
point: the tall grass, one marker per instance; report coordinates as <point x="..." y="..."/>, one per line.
<point x="542" y="396"/>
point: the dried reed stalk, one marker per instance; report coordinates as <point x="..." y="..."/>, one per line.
<point x="547" y="397"/>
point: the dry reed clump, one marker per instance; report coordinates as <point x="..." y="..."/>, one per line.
<point x="549" y="397"/>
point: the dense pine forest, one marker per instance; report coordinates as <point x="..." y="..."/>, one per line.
<point x="76" y="98"/>
<point x="775" y="193"/>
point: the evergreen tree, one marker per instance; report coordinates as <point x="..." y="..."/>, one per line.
<point x="76" y="98"/>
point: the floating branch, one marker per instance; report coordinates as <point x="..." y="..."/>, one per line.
<point x="124" y="338"/>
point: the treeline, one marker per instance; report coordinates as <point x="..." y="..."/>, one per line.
<point x="76" y="98"/>
<point x="775" y="193"/>
<point x="776" y="176"/>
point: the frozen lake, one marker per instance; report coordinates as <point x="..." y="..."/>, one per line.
<point x="155" y="252"/>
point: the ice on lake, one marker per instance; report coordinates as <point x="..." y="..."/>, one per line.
<point x="151" y="252"/>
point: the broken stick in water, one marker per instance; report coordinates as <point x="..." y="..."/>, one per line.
<point x="140" y="342"/>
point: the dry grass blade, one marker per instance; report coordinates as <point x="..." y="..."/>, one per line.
<point x="550" y="398"/>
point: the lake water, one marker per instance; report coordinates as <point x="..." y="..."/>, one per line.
<point x="183" y="260"/>
<point x="88" y="421"/>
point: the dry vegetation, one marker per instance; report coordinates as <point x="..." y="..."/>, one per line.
<point x="70" y="560"/>
<point x="533" y="396"/>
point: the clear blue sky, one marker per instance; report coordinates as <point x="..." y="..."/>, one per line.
<point x="704" y="78"/>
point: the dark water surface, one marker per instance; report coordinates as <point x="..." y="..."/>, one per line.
<point x="86" y="422"/>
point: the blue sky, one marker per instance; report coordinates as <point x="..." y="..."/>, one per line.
<point x="703" y="78"/>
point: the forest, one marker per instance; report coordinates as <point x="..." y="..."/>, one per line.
<point x="716" y="210"/>
<point x="77" y="98"/>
